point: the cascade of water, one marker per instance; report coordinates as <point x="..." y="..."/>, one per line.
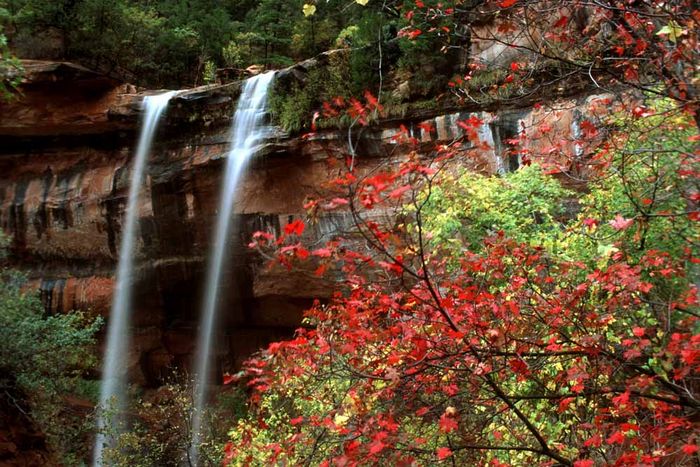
<point x="247" y="132"/>
<point x="487" y="136"/>
<point x="576" y="133"/>
<point x="113" y="386"/>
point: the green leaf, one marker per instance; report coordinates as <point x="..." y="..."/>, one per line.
<point x="672" y="30"/>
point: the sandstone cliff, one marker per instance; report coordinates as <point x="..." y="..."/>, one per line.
<point x="67" y="143"/>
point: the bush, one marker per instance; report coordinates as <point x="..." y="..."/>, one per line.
<point x="160" y="436"/>
<point x="45" y="358"/>
<point x="527" y="205"/>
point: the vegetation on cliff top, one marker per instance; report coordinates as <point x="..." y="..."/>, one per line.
<point x="174" y="43"/>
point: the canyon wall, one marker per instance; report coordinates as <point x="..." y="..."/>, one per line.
<point x="67" y="143"/>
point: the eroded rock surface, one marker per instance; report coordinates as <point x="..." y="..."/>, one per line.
<point x="64" y="164"/>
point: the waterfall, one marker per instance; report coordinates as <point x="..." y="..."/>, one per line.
<point x="576" y="133"/>
<point x="113" y="387"/>
<point x="247" y="132"/>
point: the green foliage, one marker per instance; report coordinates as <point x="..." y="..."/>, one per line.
<point x="312" y="36"/>
<point x="161" y="434"/>
<point x="527" y="205"/>
<point x="347" y="37"/>
<point x="429" y="71"/>
<point x="239" y="51"/>
<point x="648" y="186"/>
<point x="364" y="57"/>
<point x="168" y="42"/>
<point x="10" y="70"/>
<point x="136" y="41"/>
<point x="10" y="66"/>
<point x="45" y="359"/>
<point x="289" y="403"/>
<point x="209" y="73"/>
<point x="291" y="109"/>
<point x="292" y="105"/>
<point x="153" y="43"/>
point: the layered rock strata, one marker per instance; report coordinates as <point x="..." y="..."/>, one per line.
<point x="67" y="142"/>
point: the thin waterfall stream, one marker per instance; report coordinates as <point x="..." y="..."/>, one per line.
<point x="247" y="132"/>
<point x="113" y="386"/>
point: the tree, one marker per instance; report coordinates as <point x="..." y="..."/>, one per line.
<point x="643" y="46"/>
<point x="512" y="353"/>
<point x="579" y="346"/>
<point x="160" y="435"/>
<point x="10" y="67"/>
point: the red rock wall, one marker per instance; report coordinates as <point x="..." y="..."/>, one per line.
<point x="63" y="187"/>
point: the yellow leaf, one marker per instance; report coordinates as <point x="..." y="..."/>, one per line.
<point x="309" y="9"/>
<point x="341" y="420"/>
<point x="362" y="2"/>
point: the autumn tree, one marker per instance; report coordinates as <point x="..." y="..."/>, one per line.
<point x="506" y="335"/>
<point x="608" y="45"/>
<point x="576" y="352"/>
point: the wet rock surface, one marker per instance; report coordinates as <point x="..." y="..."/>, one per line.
<point x="68" y="143"/>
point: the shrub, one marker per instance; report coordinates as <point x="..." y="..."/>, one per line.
<point x="45" y="359"/>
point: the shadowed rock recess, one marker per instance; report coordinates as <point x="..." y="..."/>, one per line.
<point x="67" y="143"/>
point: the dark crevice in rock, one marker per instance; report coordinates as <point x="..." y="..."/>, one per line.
<point x="108" y="140"/>
<point x="17" y="217"/>
<point x="51" y="295"/>
<point x="56" y="265"/>
<point x="113" y="207"/>
<point x="41" y="217"/>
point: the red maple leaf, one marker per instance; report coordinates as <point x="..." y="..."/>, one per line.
<point x="589" y="129"/>
<point x="616" y="438"/>
<point x="398" y="193"/>
<point x="322" y="252"/>
<point x="561" y="22"/>
<point x="295" y="227"/>
<point x="621" y="223"/>
<point x="690" y="449"/>
<point x="443" y="453"/>
<point x="595" y="441"/>
<point x="376" y="447"/>
<point x="228" y="379"/>
<point x="296" y="421"/>
<point x="447" y="423"/>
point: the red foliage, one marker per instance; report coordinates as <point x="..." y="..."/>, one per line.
<point x="509" y="335"/>
<point x="509" y="315"/>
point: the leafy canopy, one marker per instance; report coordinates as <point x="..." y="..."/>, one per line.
<point x="473" y="328"/>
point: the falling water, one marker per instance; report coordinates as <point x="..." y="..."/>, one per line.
<point x="112" y="391"/>
<point x="487" y="136"/>
<point x="246" y="133"/>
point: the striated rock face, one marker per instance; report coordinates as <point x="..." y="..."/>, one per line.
<point x="64" y="163"/>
